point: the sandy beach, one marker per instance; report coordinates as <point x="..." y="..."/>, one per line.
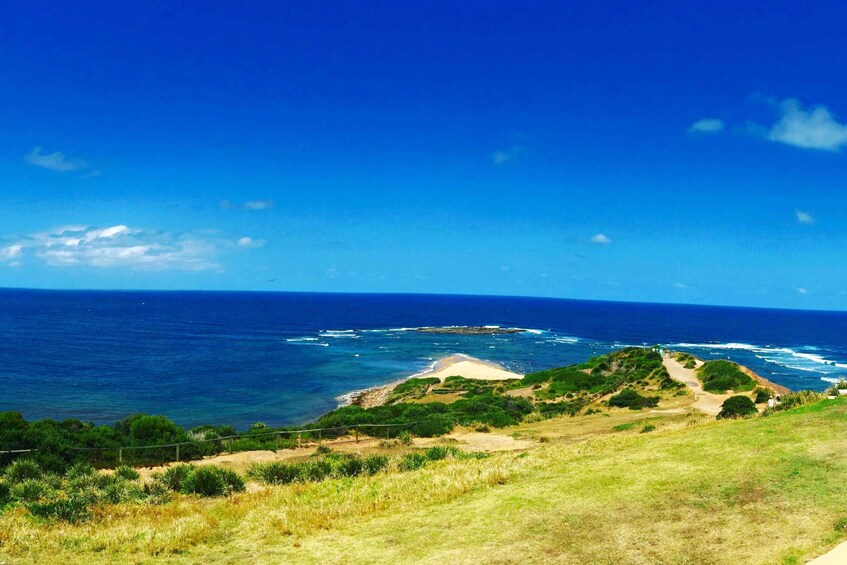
<point x="458" y="364"/>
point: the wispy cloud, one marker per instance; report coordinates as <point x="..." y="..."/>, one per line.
<point x="264" y="204"/>
<point x="707" y="125"/>
<point x="801" y="290"/>
<point x="55" y="161"/>
<point x="249" y="242"/>
<point x="812" y="128"/>
<point x="680" y="285"/>
<point x="601" y="239"/>
<point x="505" y="155"/>
<point x="121" y="246"/>
<point x="804" y="217"/>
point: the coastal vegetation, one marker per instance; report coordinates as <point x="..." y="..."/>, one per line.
<point x="738" y="480"/>
<point x="425" y="407"/>
<point x="721" y="375"/>
<point x="737" y="407"/>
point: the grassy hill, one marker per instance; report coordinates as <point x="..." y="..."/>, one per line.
<point x="721" y="375"/>
<point x="766" y="490"/>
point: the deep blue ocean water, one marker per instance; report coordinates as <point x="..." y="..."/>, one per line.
<point x="283" y="358"/>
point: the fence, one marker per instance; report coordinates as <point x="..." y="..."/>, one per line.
<point x="228" y="440"/>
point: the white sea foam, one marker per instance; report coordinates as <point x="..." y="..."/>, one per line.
<point x="795" y="359"/>
<point x="307" y="341"/>
<point x="350" y="334"/>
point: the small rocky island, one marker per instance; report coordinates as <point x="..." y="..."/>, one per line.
<point x="470" y="330"/>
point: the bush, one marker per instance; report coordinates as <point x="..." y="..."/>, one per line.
<point x="21" y="470"/>
<point x="5" y="494"/>
<point x="722" y="375"/>
<point x="737" y="407"/>
<point x="797" y="399"/>
<point x="322" y="450"/>
<point x="373" y="464"/>
<point x="81" y="469"/>
<point x="314" y="471"/>
<point x="127" y="473"/>
<point x="440" y="452"/>
<point x="120" y="491"/>
<point x="72" y="509"/>
<point x="405" y="437"/>
<point x="648" y="428"/>
<point x="413" y="461"/>
<point x="155" y="492"/>
<point x="173" y="477"/>
<point x="763" y="395"/>
<point x="29" y="490"/>
<point x="347" y="466"/>
<point x="628" y="398"/>
<point x="274" y="473"/>
<point x="211" y="481"/>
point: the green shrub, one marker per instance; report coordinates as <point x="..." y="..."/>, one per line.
<point x="737" y="407"/>
<point x="405" y="437"/>
<point x="155" y="492"/>
<point x="763" y="395"/>
<point x="5" y="494"/>
<point x="21" y="470"/>
<point x="322" y="450"/>
<point x="173" y="477"/>
<point x="208" y="480"/>
<point x="29" y="490"/>
<point x="623" y="427"/>
<point x="439" y="452"/>
<point x="347" y="466"/>
<point x="483" y="428"/>
<point x="628" y="398"/>
<point x="126" y="472"/>
<point x="121" y="491"/>
<point x="72" y="509"/>
<point x="797" y="399"/>
<point x="373" y="464"/>
<point x="314" y="471"/>
<point x="648" y="428"/>
<point x="412" y="461"/>
<point x="80" y="469"/>
<point x="274" y="472"/>
<point x="721" y="375"/>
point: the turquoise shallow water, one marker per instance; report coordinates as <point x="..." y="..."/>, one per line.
<point x="284" y="358"/>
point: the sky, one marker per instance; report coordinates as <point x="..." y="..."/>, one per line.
<point x="662" y="152"/>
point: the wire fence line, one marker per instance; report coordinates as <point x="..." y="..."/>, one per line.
<point x="230" y="438"/>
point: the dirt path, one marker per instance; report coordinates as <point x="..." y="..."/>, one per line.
<point x="703" y="401"/>
<point x="835" y="556"/>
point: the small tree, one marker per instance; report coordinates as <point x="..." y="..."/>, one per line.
<point x="737" y="407"/>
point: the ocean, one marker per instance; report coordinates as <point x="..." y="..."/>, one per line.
<point x="284" y="358"/>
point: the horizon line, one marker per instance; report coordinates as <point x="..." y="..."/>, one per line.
<point x="456" y="294"/>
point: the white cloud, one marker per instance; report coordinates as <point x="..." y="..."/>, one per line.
<point x="506" y="155"/>
<point x="804" y="217"/>
<point x="801" y="290"/>
<point x="601" y="239"/>
<point x="10" y="252"/>
<point x="264" y="204"/>
<point x="120" y="246"/>
<point x="812" y="128"/>
<point x="55" y="161"/>
<point x="681" y="286"/>
<point x="707" y="125"/>
<point x="249" y="242"/>
<point x="258" y="204"/>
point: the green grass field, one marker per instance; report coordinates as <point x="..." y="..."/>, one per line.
<point x="765" y="490"/>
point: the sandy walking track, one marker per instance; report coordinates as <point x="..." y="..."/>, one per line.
<point x="704" y="401"/>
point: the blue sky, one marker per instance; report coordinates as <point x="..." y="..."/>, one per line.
<point x="623" y="151"/>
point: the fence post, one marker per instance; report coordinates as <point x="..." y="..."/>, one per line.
<point x="121" y="455"/>
<point x="299" y="440"/>
<point x="277" y="441"/>
<point x="357" y="434"/>
<point x="320" y="436"/>
<point x="177" y="453"/>
<point x="230" y="446"/>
